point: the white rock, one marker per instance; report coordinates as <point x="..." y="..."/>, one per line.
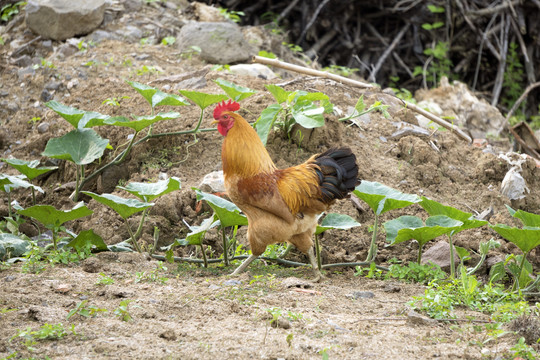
<point x="253" y="70"/>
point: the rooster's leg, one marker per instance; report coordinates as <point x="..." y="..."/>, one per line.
<point x="244" y="265"/>
<point x="313" y="260"/>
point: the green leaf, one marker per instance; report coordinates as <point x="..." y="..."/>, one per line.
<point x="142" y="122"/>
<point x="71" y="114"/>
<point x="162" y="98"/>
<point x="279" y="93"/>
<point x="235" y="92"/>
<point x="308" y="115"/>
<point x="196" y="235"/>
<point x="527" y="218"/>
<point x="13" y="246"/>
<point x="8" y="182"/>
<point x="310" y="97"/>
<point x="437" y="25"/>
<point x="435" y="9"/>
<point x="150" y="191"/>
<point x="29" y="168"/>
<point x="146" y="91"/>
<point x="53" y="218"/>
<point x="411" y="227"/>
<point x="382" y="198"/>
<point x="82" y="146"/>
<point x="203" y="100"/>
<point x="124" y="207"/>
<point x="360" y="104"/>
<point x="88" y="238"/>
<point x="526" y="239"/>
<point x="463" y="253"/>
<point x="266" y="120"/>
<point x="336" y="221"/>
<point x="435" y="208"/>
<point x="427" y="27"/>
<point x="227" y="212"/>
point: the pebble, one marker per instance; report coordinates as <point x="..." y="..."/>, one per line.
<point x="43" y="127"/>
<point x="46" y="95"/>
<point x="232" y="282"/>
<point x="362" y="295"/>
<point x="53" y="85"/>
<point x="12" y="107"/>
<point x="72" y="83"/>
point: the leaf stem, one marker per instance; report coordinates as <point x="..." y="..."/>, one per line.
<point x="133" y="238"/>
<point x="452" y="260"/>
<point x="205" y="261"/>
<point x="225" y="248"/>
<point x="372" y="253"/>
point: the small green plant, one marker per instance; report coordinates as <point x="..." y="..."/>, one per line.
<point x="33" y="121"/>
<point x="168" y="40"/>
<point x="416" y="273"/>
<point x="7" y="12"/>
<point x="513" y="78"/>
<point x="292" y="107"/>
<point x="523" y="351"/>
<point x="114" y="101"/>
<point x="360" y="109"/>
<point x="381" y="199"/>
<point x="144" y="70"/>
<point x="232" y="15"/>
<point x="122" y="311"/>
<point x="152" y="276"/>
<point x="45" y="332"/>
<point x="104" y="280"/>
<point x="267" y="54"/>
<point x="340" y="70"/>
<point x="45" y="64"/>
<point x="30" y="169"/>
<point x="85" y="311"/>
<point x="293" y="47"/>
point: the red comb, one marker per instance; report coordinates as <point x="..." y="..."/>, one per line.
<point x="225" y="106"/>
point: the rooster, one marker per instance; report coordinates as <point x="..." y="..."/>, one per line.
<point x="280" y="205"/>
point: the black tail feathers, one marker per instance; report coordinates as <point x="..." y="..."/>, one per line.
<point x="339" y="173"/>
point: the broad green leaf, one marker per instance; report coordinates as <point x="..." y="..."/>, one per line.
<point x="150" y="191"/>
<point x="29" y="168"/>
<point x="203" y="100"/>
<point x="235" y="92"/>
<point x="8" y="182"/>
<point x="435" y="208"/>
<point x="382" y="198"/>
<point x="142" y="122"/>
<point x="146" y="91"/>
<point x="124" y="246"/>
<point x="88" y="238"/>
<point x="53" y="218"/>
<point x="307" y="96"/>
<point x="82" y="146"/>
<point x="227" y="212"/>
<point x="91" y="119"/>
<point x="526" y="239"/>
<point x="527" y="218"/>
<point x="13" y="246"/>
<point x="71" y="114"/>
<point x="196" y="235"/>
<point x="124" y="207"/>
<point x="360" y="104"/>
<point x="279" y="93"/>
<point x="162" y="98"/>
<point x="336" y="221"/>
<point x="411" y="227"/>
<point x="266" y="120"/>
<point x="463" y="253"/>
<point x="308" y="115"/>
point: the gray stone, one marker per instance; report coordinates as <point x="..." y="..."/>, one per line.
<point x="12" y="107"/>
<point x="53" y="85"/>
<point x="362" y="295"/>
<point x="254" y="70"/>
<point x="66" y="50"/>
<point x="26" y="72"/>
<point x="62" y="19"/>
<point x="46" y="95"/>
<point x="43" y="127"/>
<point x="220" y="43"/>
<point x="22" y="61"/>
<point x="100" y="35"/>
<point x="415" y="318"/>
<point x="439" y="254"/>
<point x="133" y="5"/>
<point x="130" y="33"/>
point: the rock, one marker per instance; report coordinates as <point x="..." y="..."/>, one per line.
<point x="130" y="33"/>
<point x="220" y="42"/>
<point x="101" y="35"/>
<point x="22" y="61"/>
<point x="292" y="282"/>
<point x="26" y="73"/>
<point x="62" y="19"/>
<point x="53" y="85"/>
<point x="213" y="182"/>
<point x="46" y="95"/>
<point x="12" y="107"/>
<point x="391" y="288"/>
<point x="232" y="282"/>
<point x="133" y="5"/>
<point x="66" y="50"/>
<point x="254" y="70"/>
<point x="281" y="323"/>
<point x="476" y="115"/>
<point x="204" y="13"/>
<point x="362" y="295"/>
<point x="415" y="318"/>
<point x="439" y="254"/>
<point x="43" y="127"/>
<point x="72" y="83"/>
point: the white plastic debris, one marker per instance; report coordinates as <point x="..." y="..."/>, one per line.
<point x="514" y="185"/>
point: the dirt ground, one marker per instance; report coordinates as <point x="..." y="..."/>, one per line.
<point x="202" y="313"/>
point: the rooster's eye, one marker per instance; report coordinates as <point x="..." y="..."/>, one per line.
<point x="226" y="117"/>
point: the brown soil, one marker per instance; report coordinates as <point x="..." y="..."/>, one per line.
<point x="201" y="313"/>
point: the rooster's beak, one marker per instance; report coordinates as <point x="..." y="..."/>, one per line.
<point x="214" y="122"/>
